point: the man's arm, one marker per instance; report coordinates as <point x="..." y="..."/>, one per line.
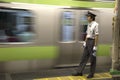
<point x="85" y="39"/>
<point x="96" y="35"/>
<point x="96" y="40"/>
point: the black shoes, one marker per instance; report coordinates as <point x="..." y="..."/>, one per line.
<point x="77" y="74"/>
<point x="90" y="76"/>
<point x="80" y="74"/>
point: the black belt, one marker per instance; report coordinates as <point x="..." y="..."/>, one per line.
<point x="90" y="39"/>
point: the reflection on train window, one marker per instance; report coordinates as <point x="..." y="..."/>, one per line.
<point x="83" y="27"/>
<point x="67" y="29"/>
<point x="16" y="26"/>
<point x="27" y="20"/>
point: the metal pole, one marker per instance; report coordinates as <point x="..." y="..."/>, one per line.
<point x="116" y="40"/>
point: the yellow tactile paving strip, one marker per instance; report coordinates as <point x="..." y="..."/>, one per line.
<point x="96" y="77"/>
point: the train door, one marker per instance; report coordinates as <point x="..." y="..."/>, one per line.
<point x="81" y="27"/>
<point x="66" y="36"/>
<point x="72" y="31"/>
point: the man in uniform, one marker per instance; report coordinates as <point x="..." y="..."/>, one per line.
<point x="90" y="46"/>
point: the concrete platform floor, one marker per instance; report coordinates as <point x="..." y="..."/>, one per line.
<point x="57" y="74"/>
<point x="98" y="76"/>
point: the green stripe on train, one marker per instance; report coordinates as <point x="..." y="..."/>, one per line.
<point x="28" y="53"/>
<point x="46" y="52"/>
<point x="68" y="3"/>
<point x="104" y="50"/>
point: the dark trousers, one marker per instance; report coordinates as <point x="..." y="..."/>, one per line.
<point x="88" y="53"/>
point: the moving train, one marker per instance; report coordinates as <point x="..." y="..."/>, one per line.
<point x="35" y="37"/>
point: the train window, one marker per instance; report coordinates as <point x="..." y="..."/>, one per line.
<point x="82" y="27"/>
<point x="67" y="29"/>
<point x="16" y="26"/>
<point x="27" y="20"/>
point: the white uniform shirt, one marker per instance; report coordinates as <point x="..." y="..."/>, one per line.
<point x="92" y="30"/>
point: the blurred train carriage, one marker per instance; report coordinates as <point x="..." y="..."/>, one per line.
<point x="33" y="37"/>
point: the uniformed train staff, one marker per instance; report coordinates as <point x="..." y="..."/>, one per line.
<point x="90" y="46"/>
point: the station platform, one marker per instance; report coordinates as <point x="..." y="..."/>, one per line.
<point x="102" y="73"/>
<point x="98" y="76"/>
